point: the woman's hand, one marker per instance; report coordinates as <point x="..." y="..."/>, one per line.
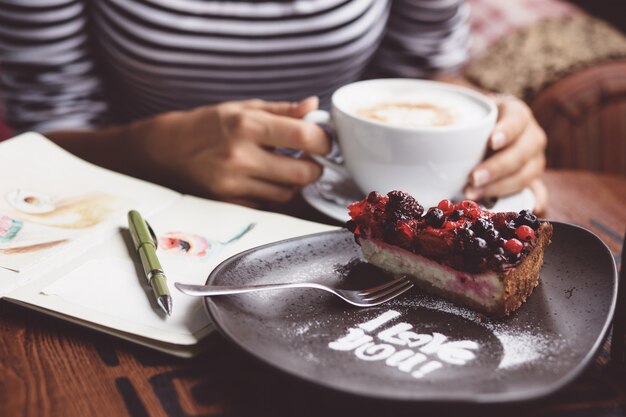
<point x="518" y="158"/>
<point x="225" y="151"/>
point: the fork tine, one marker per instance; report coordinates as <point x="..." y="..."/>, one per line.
<point x="400" y="286"/>
<point x="397" y="292"/>
<point x="381" y="287"/>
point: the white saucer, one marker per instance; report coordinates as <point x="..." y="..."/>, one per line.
<point x="333" y="192"/>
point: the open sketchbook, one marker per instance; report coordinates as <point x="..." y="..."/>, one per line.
<point x="65" y="247"/>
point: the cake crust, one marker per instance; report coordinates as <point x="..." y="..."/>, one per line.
<point x="519" y="282"/>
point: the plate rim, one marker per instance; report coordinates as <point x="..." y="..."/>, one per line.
<point x="481" y="398"/>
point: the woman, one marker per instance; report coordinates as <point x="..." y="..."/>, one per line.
<point x="197" y="94"/>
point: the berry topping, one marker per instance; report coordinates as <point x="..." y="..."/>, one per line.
<point x="525" y="233"/>
<point x="456" y="215"/>
<point x="435" y="217"/>
<point x="527" y="218"/>
<point x="446" y="206"/>
<point x="467" y="204"/>
<point x="492" y="236"/>
<point x="481" y="226"/>
<point x="513" y="246"/>
<point x="374" y="197"/>
<point x="402" y="206"/>
<point x="461" y="236"/>
<point x="477" y="245"/>
<point x="474" y="213"/>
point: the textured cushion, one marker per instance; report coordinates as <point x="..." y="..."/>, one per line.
<point x="492" y="20"/>
<point x="527" y="61"/>
<point x="572" y="71"/>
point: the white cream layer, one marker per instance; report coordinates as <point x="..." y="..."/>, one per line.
<point x="484" y="288"/>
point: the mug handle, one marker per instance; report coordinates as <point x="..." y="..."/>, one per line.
<point x="324" y="120"/>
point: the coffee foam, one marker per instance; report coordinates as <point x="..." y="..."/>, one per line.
<point x="462" y="109"/>
<point x="410" y="115"/>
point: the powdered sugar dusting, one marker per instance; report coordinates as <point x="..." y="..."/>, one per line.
<point x="521" y="346"/>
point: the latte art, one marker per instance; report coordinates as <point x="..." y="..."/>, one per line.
<point x="409" y="115"/>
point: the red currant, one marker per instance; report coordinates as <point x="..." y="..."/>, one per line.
<point x="513" y="246"/>
<point x="466" y="205"/>
<point x="473" y="212"/>
<point x="447" y="225"/>
<point x="446" y="206"/>
<point x="525" y="233"/>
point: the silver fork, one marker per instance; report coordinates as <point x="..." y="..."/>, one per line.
<point x="360" y="298"/>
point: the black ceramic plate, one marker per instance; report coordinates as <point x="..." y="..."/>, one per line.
<point x="417" y="347"/>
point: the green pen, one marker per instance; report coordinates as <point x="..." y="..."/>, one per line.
<point x="146" y="244"/>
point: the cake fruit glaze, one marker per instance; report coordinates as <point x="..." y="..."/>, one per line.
<point x="487" y="261"/>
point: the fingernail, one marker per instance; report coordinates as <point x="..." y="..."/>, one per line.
<point x="473" y="193"/>
<point x="480" y="177"/>
<point x="498" y="140"/>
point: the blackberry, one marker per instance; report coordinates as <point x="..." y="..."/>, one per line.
<point x="435" y="218"/>
<point x="402" y="206"/>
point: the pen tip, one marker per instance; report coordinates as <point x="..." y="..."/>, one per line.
<point x="165" y="302"/>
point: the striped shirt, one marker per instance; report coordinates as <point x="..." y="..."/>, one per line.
<point x="72" y="64"/>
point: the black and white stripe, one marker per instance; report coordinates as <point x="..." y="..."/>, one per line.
<point x="85" y="63"/>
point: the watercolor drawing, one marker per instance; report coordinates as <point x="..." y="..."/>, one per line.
<point x="33" y="222"/>
<point x="9" y="227"/>
<point x="189" y="245"/>
<point x="71" y="213"/>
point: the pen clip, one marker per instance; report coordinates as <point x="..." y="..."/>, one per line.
<point x="153" y="235"/>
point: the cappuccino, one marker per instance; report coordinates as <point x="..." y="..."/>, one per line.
<point x="409" y="115"/>
<point x="421" y="137"/>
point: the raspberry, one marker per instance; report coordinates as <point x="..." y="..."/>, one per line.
<point x="513" y="246"/>
<point x="525" y="233"/>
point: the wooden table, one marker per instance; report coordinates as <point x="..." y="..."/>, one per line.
<point x="52" y="368"/>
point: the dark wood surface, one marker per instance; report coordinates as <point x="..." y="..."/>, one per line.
<point x="52" y="368"/>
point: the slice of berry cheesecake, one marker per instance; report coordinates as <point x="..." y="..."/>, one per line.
<point x="487" y="261"/>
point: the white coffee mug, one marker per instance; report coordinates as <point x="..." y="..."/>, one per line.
<point x="431" y="158"/>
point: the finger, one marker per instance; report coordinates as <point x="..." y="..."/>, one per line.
<point x="511" y="159"/>
<point x="281" y="131"/>
<point x="283" y="170"/>
<point x="284" y="108"/>
<point x="255" y="204"/>
<point x="541" y="196"/>
<point x="513" y="183"/>
<point x="247" y="190"/>
<point x="513" y="118"/>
